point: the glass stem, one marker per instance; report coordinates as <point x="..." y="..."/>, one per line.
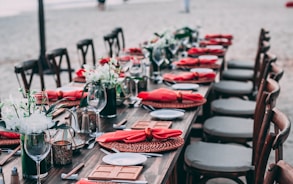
<point x="97" y="122"/>
<point x="136" y="88"/>
<point x="38" y="163"/>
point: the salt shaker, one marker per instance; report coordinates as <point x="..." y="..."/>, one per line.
<point x="14" y="176"/>
<point x="85" y="122"/>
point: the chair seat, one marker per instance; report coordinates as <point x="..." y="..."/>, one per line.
<point x="238" y="74"/>
<point x="225" y="126"/>
<point x="240" y="64"/>
<point x="234" y="87"/>
<point x="233" y="106"/>
<point x="218" y="157"/>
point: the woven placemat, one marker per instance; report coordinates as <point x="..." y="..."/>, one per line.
<point x="183" y="105"/>
<point x="215" y="54"/>
<point x="152" y="146"/>
<point x="9" y="142"/>
<point x="66" y="103"/>
<point x="199" y="81"/>
<point x="79" y="79"/>
<point x="212" y="66"/>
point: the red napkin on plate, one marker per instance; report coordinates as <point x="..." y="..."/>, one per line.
<point x="224" y="42"/>
<point x="9" y="135"/>
<point x="184" y="76"/>
<point x="134" y="136"/>
<point x="125" y="58"/>
<point x="80" y="72"/>
<point x="168" y="95"/>
<point x="227" y="36"/>
<point x="194" y="61"/>
<point x="69" y="95"/>
<point x="134" y="50"/>
<point x="202" y="51"/>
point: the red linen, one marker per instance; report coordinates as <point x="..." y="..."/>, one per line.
<point x="134" y="136"/>
<point x="168" y="95"/>
<point x="134" y="50"/>
<point x="189" y="76"/>
<point x="194" y="61"/>
<point x="104" y="60"/>
<point x="289" y="4"/>
<point x="202" y="51"/>
<point x="9" y="135"/>
<point x="227" y="36"/>
<point x="224" y="42"/>
<point x="125" y="58"/>
<point x="80" y="72"/>
<point x="55" y="95"/>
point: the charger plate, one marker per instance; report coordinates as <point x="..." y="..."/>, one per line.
<point x="147" y="146"/>
<point x="199" y="81"/>
<point x="212" y="66"/>
<point x="183" y="105"/>
<point x="79" y="79"/>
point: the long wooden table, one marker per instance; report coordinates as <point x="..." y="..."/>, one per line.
<point x="156" y="170"/>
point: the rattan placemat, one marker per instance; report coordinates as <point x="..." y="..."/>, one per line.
<point x="152" y="146"/>
<point x="79" y="79"/>
<point x="198" y="81"/>
<point x="183" y="105"/>
<point x="9" y="142"/>
<point x="212" y="66"/>
<point x="66" y="103"/>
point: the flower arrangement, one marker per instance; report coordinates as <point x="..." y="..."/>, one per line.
<point x="106" y="72"/>
<point x="24" y="116"/>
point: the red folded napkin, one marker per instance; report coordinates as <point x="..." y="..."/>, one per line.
<point x="56" y="95"/>
<point x="125" y="58"/>
<point x="9" y="135"/>
<point x="289" y="4"/>
<point x="134" y="136"/>
<point x="104" y="60"/>
<point x="168" y="95"/>
<point x="194" y="61"/>
<point x="202" y="51"/>
<point x="184" y="76"/>
<point x="134" y="50"/>
<point x="227" y="36"/>
<point x="224" y="42"/>
<point x="80" y="72"/>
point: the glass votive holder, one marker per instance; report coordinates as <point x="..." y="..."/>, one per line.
<point x="62" y="152"/>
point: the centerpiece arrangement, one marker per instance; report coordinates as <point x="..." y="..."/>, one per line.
<point x="31" y="121"/>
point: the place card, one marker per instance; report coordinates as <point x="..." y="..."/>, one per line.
<point x="151" y="124"/>
<point x="113" y="172"/>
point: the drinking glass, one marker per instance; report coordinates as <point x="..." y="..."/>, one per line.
<point x="97" y="99"/>
<point x="136" y="73"/>
<point x="158" y="57"/>
<point x="37" y="146"/>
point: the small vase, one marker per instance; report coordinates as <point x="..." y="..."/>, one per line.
<point x="109" y="110"/>
<point x="28" y="165"/>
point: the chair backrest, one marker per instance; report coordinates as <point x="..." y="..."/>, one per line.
<point x="265" y="102"/>
<point x="55" y="58"/>
<point x="280" y="172"/>
<point x="110" y="41"/>
<point x="27" y="70"/>
<point x="277" y="72"/>
<point x="118" y="31"/>
<point x="84" y="46"/>
<point x="270" y="140"/>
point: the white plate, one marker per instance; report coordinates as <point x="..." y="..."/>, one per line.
<point x="167" y="114"/>
<point x="124" y="159"/>
<point x="202" y="70"/>
<point x="208" y="57"/>
<point x="185" y="86"/>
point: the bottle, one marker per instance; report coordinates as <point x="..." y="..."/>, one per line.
<point x="14" y="176"/>
<point x="2" y="181"/>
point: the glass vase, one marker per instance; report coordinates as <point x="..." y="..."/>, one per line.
<point x="110" y="110"/>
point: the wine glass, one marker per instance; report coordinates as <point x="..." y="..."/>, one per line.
<point x="136" y="73"/>
<point x="37" y="146"/>
<point x="97" y="99"/>
<point x="158" y="57"/>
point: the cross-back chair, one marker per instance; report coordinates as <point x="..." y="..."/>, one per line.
<point x="55" y="59"/>
<point x="205" y="161"/>
<point x="26" y="70"/>
<point x="280" y="172"/>
<point x="84" y="47"/>
<point x="118" y="31"/>
<point x="248" y="64"/>
<point x="240" y="106"/>
<point x="110" y="41"/>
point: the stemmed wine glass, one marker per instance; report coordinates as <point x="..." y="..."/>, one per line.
<point x="158" y="57"/>
<point x="37" y="146"/>
<point x="97" y="99"/>
<point x="136" y="73"/>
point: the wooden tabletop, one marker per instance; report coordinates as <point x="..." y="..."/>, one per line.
<point x="155" y="169"/>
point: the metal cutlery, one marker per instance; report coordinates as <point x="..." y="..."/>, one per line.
<point x="121" y="125"/>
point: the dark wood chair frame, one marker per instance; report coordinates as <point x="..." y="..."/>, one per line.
<point x="280" y="172"/>
<point x="84" y="47"/>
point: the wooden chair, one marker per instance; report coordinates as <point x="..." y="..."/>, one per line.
<point x="110" y="41"/>
<point x="83" y="47"/>
<point x="239" y="106"/>
<point x="55" y="58"/>
<point x="281" y="173"/>
<point x="26" y="70"/>
<point x="239" y="64"/>
<point x="118" y="31"/>
<point x="205" y="161"/>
